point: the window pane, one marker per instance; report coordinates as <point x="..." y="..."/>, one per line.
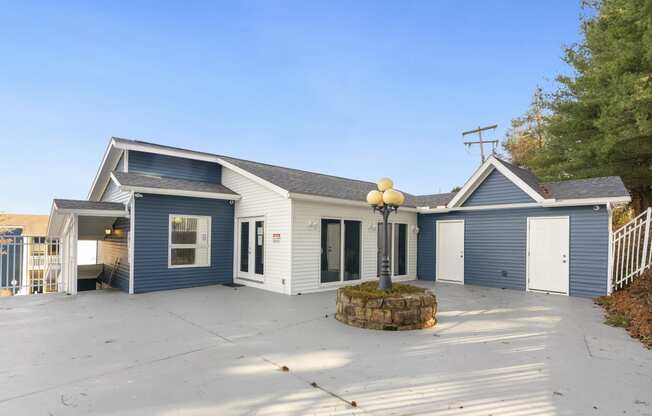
<point x="352" y="250"/>
<point x="184" y="230"/>
<point x="381" y="244"/>
<point x="330" y="250"/>
<point x="244" y="246"/>
<point x="260" y="245"/>
<point x="182" y="256"/>
<point x="400" y="250"/>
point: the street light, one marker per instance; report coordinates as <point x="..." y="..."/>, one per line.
<point x="385" y="200"/>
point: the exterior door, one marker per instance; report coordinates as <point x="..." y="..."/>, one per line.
<point x="251" y="248"/>
<point x="548" y="254"/>
<point x="450" y="251"/>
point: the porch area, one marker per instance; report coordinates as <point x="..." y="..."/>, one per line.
<point x="219" y="350"/>
<point x="72" y="221"/>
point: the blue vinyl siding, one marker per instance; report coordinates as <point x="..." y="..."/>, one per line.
<point x="151" y="270"/>
<point x="497" y="189"/>
<point x="112" y="247"/>
<point x="496" y="241"/>
<point x="174" y="167"/>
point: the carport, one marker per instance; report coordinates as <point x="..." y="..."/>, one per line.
<point x="74" y="220"/>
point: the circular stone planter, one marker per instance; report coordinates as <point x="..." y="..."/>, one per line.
<point x="390" y="312"/>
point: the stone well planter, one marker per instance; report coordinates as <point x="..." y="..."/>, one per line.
<point x="391" y="312"/>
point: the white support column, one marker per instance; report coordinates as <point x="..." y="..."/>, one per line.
<point x="73" y="258"/>
<point x="610" y="255"/>
<point x="646" y="247"/>
<point x="132" y="241"/>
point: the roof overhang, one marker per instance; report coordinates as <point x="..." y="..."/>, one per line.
<point x="481" y="174"/>
<point x="117" y="147"/>
<point x="59" y="217"/>
<point x="546" y="203"/>
<point x="338" y="201"/>
<point x="175" y="192"/>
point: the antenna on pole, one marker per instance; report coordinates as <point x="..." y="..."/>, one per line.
<point x="480" y="141"/>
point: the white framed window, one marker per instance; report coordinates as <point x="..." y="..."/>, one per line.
<point x="189" y="243"/>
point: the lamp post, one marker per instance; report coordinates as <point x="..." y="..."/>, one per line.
<point x="385" y="200"/>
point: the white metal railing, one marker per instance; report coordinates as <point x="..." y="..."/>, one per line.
<point x="29" y="265"/>
<point x="631" y="250"/>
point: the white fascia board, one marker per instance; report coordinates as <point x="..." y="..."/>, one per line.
<point x="176" y="192"/>
<point x="548" y="203"/>
<point x="469" y="186"/>
<point x="588" y="201"/>
<point x="481" y="174"/>
<point x="100" y="182"/>
<point x="516" y="180"/>
<point x="206" y="157"/>
<point x="94" y="212"/>
<point x="283" y="192"/>
<point x="338" y="201"/>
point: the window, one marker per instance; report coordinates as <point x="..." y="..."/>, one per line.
<point x="340" y="251"/>
<point x="397" y="236"/>
<point x="189" y="243"/>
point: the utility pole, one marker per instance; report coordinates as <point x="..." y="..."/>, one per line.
<point x="480" y="141"/>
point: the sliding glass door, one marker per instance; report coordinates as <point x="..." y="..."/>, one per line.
<point x="397" y="248"/>
<point x="340" y="250"/>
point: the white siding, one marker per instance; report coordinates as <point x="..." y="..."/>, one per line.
<point x="258" y="201"/>
<point x="306" y="234"/>
<point x="114" y="194"/>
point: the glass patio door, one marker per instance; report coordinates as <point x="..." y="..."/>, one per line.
<point x="251" y="248"/>
<point x="340" y="250"/>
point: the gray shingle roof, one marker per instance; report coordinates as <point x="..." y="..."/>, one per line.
<point x="91" y="205"/>
<point x="434" y="200"/>
<point x="524" y="174"/>
<point x="604" y="187"/>
<point x="160" y="182"/>
<point x="311" y="183"/>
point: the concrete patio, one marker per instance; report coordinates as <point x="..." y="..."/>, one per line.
<point x="219" y="351"/>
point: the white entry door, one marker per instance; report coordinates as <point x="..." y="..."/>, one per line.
<point x="251" y="248"/>
<point x="548" y="254"/>
<point x="450" y="251"/>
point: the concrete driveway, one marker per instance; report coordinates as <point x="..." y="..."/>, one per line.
<point x="219" y="351"/>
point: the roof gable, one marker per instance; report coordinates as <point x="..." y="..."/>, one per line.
<point x="523" y="180"/>
<point x="496" y="189"/>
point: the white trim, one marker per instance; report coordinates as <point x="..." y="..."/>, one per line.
<point x="437" y="256"/>
<point x="132" y="242"/>
<point x="481" y="174"/>
<point x="99" y="169"/>
<point x="588" y="201"/>
<point x="250" y="276"/>
<point x="547" y="203"/>
<point x="331" y="200"/>
<point x="610" y="257"/>
<point x="341" y="219"/>
<point x="126" y="160"/>
<point x="191" y="154"/>
<point x="176" y="192"/>
<point x="527" y="255"/>
<point x="94" y="212"/>
<point x="194" y="246"/>
<point x="284" y="193"/>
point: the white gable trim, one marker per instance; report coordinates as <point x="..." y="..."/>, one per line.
<point x="283" y="192"/>
<point x="481" y="174"/>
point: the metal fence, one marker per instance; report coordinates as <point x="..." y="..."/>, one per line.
<point x="29" y="265"/>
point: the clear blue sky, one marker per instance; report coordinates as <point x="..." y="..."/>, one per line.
<point x="357" y="89"/>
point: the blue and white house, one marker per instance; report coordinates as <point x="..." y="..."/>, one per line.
<point x="169" y="218"/>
